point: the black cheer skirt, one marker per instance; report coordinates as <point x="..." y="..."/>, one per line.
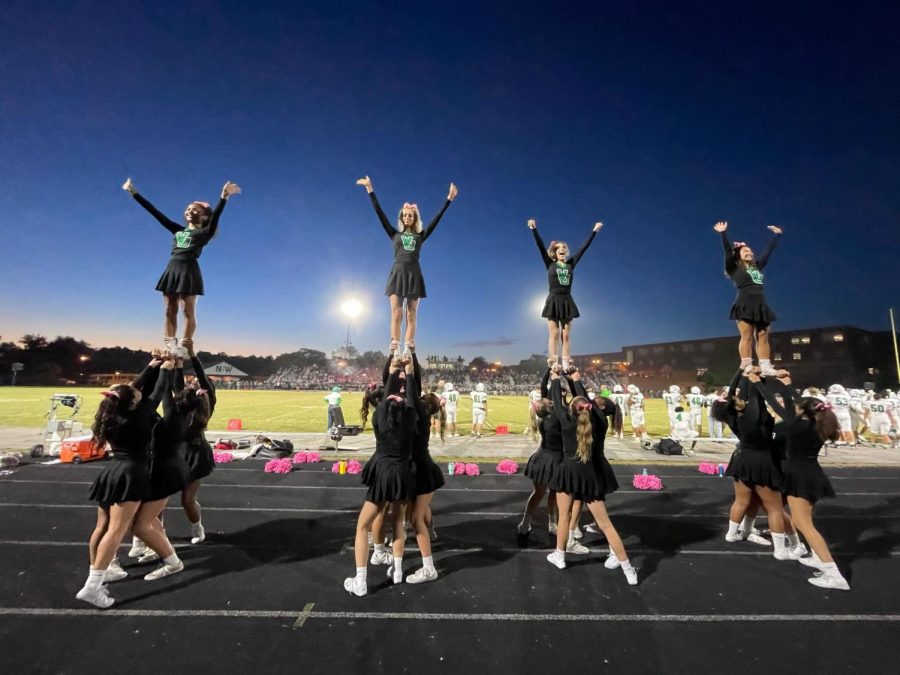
<point x="389" y="480"/>
<point x="429" y="476"/>
<point x="126" y="479"/>
<point x="182" y="277"/>
<point x="543" y="466"/>
<point x="805" y="478"/>
<point x="405" y="281"/>
<point x="560" y="307"/>
<point x="752" y="308"/>
<point x="583" y="481"/>
<point x="168" y="475"/>
<point x="754" y="468"/>
<point x="199" y="458"/>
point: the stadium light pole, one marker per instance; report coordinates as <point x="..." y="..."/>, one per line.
<point x="351" y="309"/>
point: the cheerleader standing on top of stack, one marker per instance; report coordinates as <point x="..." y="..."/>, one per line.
<point x="559" y="308"/>
<point x="182" y="282"/>
<point x="405" y="282"/>
<point x="750" y="311"/>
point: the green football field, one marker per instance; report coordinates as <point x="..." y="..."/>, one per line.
<point x="283" y="411"/>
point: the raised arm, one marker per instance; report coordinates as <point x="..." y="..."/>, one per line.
<point x="545" y="391"/>
<point x="773" y="242"/>
<point x="540" y="242"/>
<point x="435" y="221"/>
<point x="387" y="370"/>
<point x="417" y="373"/>
<point x="145" y="382"/>
<point x="584" y="247"/>
<point x="204" y="382"/>
<point x="163" y="384"/>
<point x="558" y="408"/>
<point x="733" y="385"/>
<point x="383" y="219"/>
<point x="171" y="226"/>
<point x="721" y="227"/>
<point x="772" y="386"/>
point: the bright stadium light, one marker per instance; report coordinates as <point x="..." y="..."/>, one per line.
<point x="351" y="308"/>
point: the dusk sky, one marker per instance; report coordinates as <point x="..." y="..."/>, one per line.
<point x="656" y="118"/>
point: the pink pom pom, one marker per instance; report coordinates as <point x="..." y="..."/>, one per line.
<point x="336" y="467"/>
<point x="354" y="467"/>
<point x="278" y="466"/>
<point x="472" y="470"/>
<point x="708" y="468"/>
<point x="648" y="482"/>
<point x="300" y="458"/>
<point x="222" y="457"/>
<point x="459" y="469"/>
<point x="313" y="457"/>
<point x="507" y="466"/>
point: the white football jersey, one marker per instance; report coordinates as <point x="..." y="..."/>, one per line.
<point x="451" y="398"/>
<point x="696" y="401"/>
<point x="479" y="400"/>
<point x="840" y="403"/>
<point x="636" y="401"/>
<point x="619" y="400"/>
<point x="671" y="400"/>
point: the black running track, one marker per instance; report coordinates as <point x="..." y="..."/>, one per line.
<point x="265" y="592"/>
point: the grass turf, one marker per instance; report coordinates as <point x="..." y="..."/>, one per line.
<point x="279" y="411"/>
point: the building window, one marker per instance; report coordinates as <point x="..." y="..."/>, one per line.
<point x="838" y="337"/>
<point x="777" y="356"/>
<point x="795" y="341"/>
<point x="805" y="340"/>
<point x="797" y="356"/>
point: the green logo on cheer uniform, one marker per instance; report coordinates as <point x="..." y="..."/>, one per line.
<point x="409" y="241"/>
<point x="564" y="274"/>
<point x="183" y="239"/>
<point x="756" y="275"/>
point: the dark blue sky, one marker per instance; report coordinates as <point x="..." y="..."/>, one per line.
<point x="657" y="120"/>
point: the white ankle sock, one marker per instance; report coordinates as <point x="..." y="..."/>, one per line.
<point x="746" y="362"/>
<point x="172" y="559"/>
<point x="95" y="578"/>
<point x="779" y="540"/>
<point x="626" y="565"/>
<point x="361" y="574"/>
<point x="747" y="526"/>
<point x="793" y="540"/>
<point x="379" y="548"/>
<point x="428" y="562"/>
<point x="398" y="569"/>
<point x="830" y="568"/>
<point x="571" y="536"/>
<point x="733" y="528"/>
<point x="136" y="542"/>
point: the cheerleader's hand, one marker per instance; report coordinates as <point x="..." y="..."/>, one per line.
<point x="366" y="182"/>
<point x="230" y="189"/>
<point x="168" y="364"/>
<point x="453" y="192"/>
<point x="188" y="343"/>
<point x="597" y="226"/>
<point x="753" y="376"/>
<point x="721" y="226"/>
<point x="128" y="186"/>
<point x="775" y="229"/>
<point x="532" y="223"/>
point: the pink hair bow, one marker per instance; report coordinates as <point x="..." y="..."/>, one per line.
<point x="205" y="205"/>
<point x="373" y="386"/>
<point x="110" y="394"/>
<point x="738" y="244"/>
<point x="824" y="405"/>
<point x="407" y="205"/>
<point x="583" y="406"/>
<point x="201" y="392"/>
<point x="394" y="397"/>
